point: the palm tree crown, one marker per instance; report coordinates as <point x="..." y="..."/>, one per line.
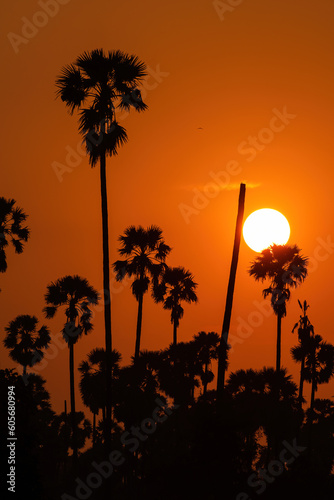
<point x="285" y="268"/>
<point x="11" y="220"/>
<point x="77" y="295"/>
<point x="96" y="84"/>
<point x="177" y="285"/>
<point x="25" y="341"/>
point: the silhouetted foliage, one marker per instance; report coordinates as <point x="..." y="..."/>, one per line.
<point x="77" y="296"/>
<point x="145" y="251"/>
<point x="285" y="268"/>
<point x="11" y="229"/>
<point x="25" y="342"/>
<point x="175" y="286"/>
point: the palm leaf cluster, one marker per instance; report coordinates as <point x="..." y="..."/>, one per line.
<point x="77" y="295"/>
<point x="145" y="253"/>
<point x="285" y="268"/>
<point x="97" y="84"/>
<point x="25" y="340"/>
<point x="12" y="229"/>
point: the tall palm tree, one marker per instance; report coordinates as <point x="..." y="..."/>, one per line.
<point x="177" y="285"/>
<point x="145" y="251"/>
<point x="285" y="268"/>
<point x="96" y="85"/>
<point x="299" y="352"/>
<point x="26" y="341"/>
<point x="76" y="295"/>
<point x="11" y="229"/>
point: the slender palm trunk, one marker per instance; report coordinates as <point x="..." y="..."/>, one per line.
<point x="313" y="390"/>
<point x="107" y="298"/>
<point x="94" y="428"/>
<point x="278" y="346"/>
<point x="222" y="352"/>
<point x="174" y="332"/>
<point x="301" y="382"/>
<point x="139" y="322"/>
<point x="72" y="400"/>
<point x="206" y="378"/>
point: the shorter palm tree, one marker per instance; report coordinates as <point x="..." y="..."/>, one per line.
<point x="299" y="352"/>
<point x="319" y="364"/>
<point x="285" y="268"/>
<point x="77" y="296"/>
<point x="11" y="229"/>
<point x="145" y="251"/>
<point x="176" y="285"/>
<point x="92" y="382"/>
<point x="26" y="341"/>
<point x="206" y="345"/>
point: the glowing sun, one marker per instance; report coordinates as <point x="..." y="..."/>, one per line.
<point x="265" y="227"/>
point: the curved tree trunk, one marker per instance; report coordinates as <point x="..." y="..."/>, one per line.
<point x="107" y="298"/>
<point x="174" y="332"/>
<point x="139" y="322"/>
<point x="72" y="400"/>
<point x="278" y="346"/>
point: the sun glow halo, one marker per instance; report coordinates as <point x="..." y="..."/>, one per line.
<point x="265" y="227"/>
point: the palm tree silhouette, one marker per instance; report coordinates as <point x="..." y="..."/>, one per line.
<point x="299" y="352"/>
<point x="285" y="268"/>
<point x="145" y="251"/>
<point x="25" y="341"/>
<point x="319" y="364"/>
<point x="11" y="229"/>
<point x="92" y="386"/>
<point x="76" y="295"/>
<point x="176" y="285"/>
<point x="207" y="349"/>
<point x="96" y="84"/>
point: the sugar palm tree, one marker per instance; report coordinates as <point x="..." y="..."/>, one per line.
<point x="319" y="364"/>
<point x="285" y="268"/>
<point x="77" y="296"/>
<point x="11" y="229"/>
<point x="299" y="352"/>
<point x="145" y="251"/>
<point x="92" y="386"/>
<point x="97" y="85"/>
<point x="26" y="341"/>
<point x="176" y="285"/>
<point x="207" y="349"/>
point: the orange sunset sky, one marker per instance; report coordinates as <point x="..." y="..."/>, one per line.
<point x="218" y="83"/>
